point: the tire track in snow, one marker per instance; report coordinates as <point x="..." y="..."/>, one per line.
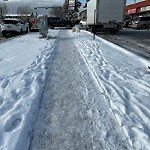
<point x="104" y="73"/>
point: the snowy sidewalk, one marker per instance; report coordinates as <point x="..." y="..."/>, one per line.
<point x="97" y="93"/>
<point x="74" y="114"/>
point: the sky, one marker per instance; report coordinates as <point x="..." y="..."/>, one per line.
<point x="13" y="4"/>
<point x="112" y="89"/>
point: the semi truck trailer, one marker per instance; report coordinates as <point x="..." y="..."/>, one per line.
<point x="105" y="15"/>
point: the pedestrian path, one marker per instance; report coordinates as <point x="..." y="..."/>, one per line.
<point x="73" y="115"/>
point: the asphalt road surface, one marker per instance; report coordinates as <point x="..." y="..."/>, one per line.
<point x="137" y="41"/>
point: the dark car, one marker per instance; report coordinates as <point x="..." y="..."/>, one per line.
<point x="59" y="22"/>
<point x="128" y="22"/>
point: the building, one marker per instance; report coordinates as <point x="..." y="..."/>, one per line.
<point x="138" y="9"/>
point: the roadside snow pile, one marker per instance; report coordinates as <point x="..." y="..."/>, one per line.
<point x="24" y="62"/>
<point x="124" y="80"/>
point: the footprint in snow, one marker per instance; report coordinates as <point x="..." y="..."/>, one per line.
<point x="46" y="47"/>
<point x="38" y="59"/>
<point x="1" y="100"/>
<point x="5" y="83"/>
<point x="148" y="69"/>
<point x="15" y="93"/>
<point x="13" y="122"/>
<point x="17" y="72"/>
<point x="28" y="81"/>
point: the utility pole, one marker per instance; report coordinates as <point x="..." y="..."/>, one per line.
<point x="94" y="28"/>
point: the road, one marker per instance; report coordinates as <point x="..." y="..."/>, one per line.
<point x="137" y="41"/>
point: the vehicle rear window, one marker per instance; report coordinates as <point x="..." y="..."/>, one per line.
<point x="10" y="22"/>
<point x="145" y="19"/>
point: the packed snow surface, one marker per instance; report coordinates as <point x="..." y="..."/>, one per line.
<point x="120" y="84"/>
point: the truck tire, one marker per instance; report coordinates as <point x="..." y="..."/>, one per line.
<point x="6" y="35"/>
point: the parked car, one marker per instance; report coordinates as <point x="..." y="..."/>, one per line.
<point x="13" y="26"/>
<point x="128" y="23"/>
<point x="141" y="23"/>
<point x="59" y="22"/>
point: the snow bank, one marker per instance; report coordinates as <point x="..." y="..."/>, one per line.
<point x="24" y="62"/>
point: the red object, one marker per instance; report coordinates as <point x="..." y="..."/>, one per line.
<point x="136" y="22"/>
<point x="35" y="21"/>
<point x="132" y="11"/>
<point x="137" y="6"/>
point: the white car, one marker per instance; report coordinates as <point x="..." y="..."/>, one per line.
<point x="13" y="26"/>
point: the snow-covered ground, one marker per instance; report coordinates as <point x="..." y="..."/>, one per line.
<point x="121" y="77"/>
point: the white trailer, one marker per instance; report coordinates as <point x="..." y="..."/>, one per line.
<point x="105" y="15"/>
